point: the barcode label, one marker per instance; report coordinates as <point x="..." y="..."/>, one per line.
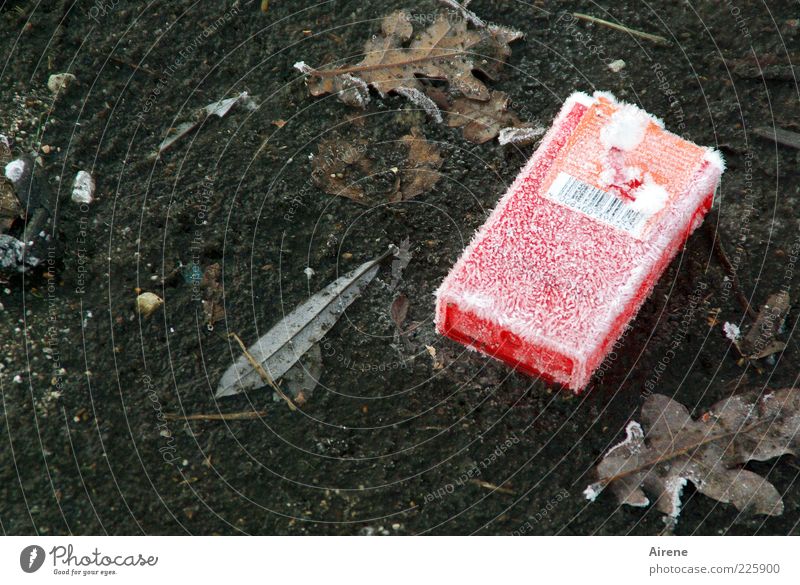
<point x="596" y="203"/>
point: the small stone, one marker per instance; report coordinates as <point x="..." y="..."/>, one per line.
<point x="15" y="169"/>
<point x="83" y="188"/>
<point x="58" y="82"/>
<point x="617" y="66"/>
<point x="147" y="303"/>
<point x="47" y="149"/>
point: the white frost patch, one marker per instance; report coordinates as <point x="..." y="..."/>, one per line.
<point x="520" y="136"/>
<point x="732" y="331"/>
<point x="591" y="492"/>
<point x="650" y="197"/>
<point x="420" y="99"/>
<point x="675" y="488"/>
<point x="83" y="188"/>
<point x="626" y="129"/>
<point x="714" y="158"/>
<point x="302" y="67"/>
<point x="15" y="169"/>
<point x="222" y="107"/>
<point x="634" y="437"/>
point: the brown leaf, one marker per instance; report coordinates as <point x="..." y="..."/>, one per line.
<point x="482" y="121"/>
<point x="709" y="452"/>
<point x="447" y="50"/>
<point x="421" y="170"/>
<point x="339" y="165"/>
<point x="400" y="310"/>
<point x="760" y="340"/>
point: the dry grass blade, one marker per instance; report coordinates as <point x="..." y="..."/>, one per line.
<point x="263" y="373"/>
<point x="658" y="39"/>
<point x="246" y="415"/>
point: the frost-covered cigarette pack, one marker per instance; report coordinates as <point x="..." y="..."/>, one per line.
<point x="575" y="246"/>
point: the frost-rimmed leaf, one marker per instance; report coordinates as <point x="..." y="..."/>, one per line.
<point x="709" y="452"/>
<point x="280" y="348"/>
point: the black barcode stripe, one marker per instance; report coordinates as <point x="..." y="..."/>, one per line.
<point x="596" y="203"/>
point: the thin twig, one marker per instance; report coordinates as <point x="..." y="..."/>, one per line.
<point x="658" y="39"/>
<point x="134" y="66"/>
<point x="493" y="487"/>
<point x="263" y="373"/>
<point x="379" y="66"/>
<point x="722" y="256"/>
<point x="247" y="415"/>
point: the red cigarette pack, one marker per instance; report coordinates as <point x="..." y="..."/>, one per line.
<point x="575" y="246"/>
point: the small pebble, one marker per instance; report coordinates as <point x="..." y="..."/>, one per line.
<point x="60" y="81"/>
<point x="147" y="303"/>
<point x="617" y="66"/>
<point x="83" y="188"/>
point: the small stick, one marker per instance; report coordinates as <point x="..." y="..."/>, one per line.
<point x="247" y="415"/>
<point x="262" y="372"/>
<point x="491" y="486"/>
<point x="658" y="39"/>
<point x="134" y="66"/>
<point x="378" y="66"/>
<point x="779" y="135"/>
<point x="719" y="250"/>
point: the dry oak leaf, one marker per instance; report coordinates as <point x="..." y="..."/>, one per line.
<point x="421" y="170"/>
<point x="338" y="167"/>
<point x="482" y="121"/>
<point x="709" y="452"/>
<point x="446" y="50"/>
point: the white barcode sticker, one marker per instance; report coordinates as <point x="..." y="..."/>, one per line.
<point x="597" y="204"/>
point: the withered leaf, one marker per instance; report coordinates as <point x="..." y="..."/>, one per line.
<point x="709" y="452"/>
<point x="400" y="310"/>
<point x="447" y="50"/>
<point x="339" y="166"/>
<point x="482" y="121"/>
<point x="421" y="170"/>
<point x="760" y="340"/>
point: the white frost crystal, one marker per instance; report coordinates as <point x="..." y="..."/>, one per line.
<point x="626" y="128"/>
<point x="83" y="188"/>
<point x="15" y="169"/>
<point x="732" y="331"/>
